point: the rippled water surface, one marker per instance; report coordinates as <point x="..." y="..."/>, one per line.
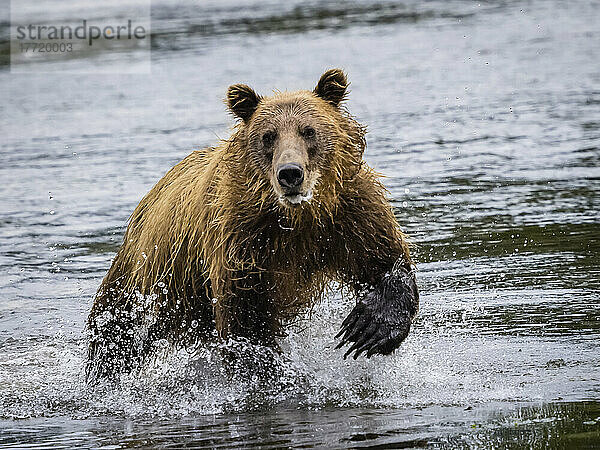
<point x="485" y="120"/>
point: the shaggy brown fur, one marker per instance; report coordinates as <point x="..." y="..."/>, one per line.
<point x="213" y="245"/>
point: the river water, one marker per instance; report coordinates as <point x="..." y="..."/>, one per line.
<point x="484" y="118"/>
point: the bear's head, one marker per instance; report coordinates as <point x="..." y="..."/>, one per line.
<point x="305" y="143"/>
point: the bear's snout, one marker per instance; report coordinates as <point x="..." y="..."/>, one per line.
<point x="290" y="175"/>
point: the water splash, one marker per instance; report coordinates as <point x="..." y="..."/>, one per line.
<point x="436" y="365"/>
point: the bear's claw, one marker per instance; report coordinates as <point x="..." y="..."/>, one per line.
<point x="370" y="332"/>
<point x="381" y="319"/>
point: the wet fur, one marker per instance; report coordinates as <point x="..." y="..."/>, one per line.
<point x="211" y="247"/>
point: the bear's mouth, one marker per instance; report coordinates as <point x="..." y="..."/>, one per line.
<point x="296" y="198"/>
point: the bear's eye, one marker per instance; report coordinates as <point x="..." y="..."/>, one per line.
<point x="308" y="132"/>
<point x="269" y="138"/>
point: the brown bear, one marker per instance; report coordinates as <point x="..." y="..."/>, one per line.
<point x="242" y="237"/>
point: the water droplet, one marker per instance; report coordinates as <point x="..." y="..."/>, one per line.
<point x="194" y="323"/>
<point x="283" y="227"/>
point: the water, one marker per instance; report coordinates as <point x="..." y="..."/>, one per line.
<point x="485" y="120"/>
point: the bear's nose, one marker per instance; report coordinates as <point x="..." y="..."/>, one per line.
<point x="290" y="175"/>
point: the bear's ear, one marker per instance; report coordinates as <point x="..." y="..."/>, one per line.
<point x="242" y="101"/>
<point x="332" y="86"/>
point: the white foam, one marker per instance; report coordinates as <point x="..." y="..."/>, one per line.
<point x="298" y="198"/>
